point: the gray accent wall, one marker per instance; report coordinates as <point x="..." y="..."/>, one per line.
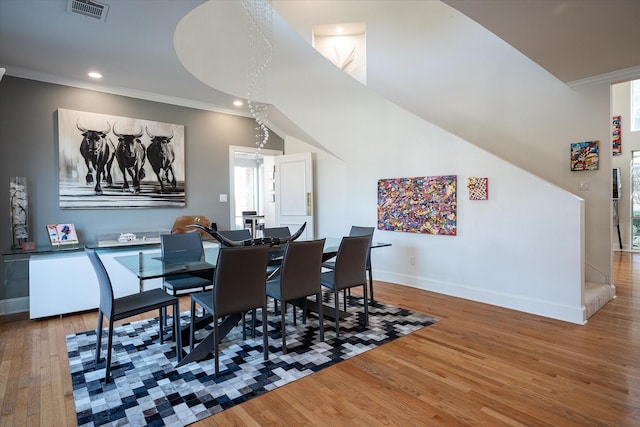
<point x="29" y="148"/>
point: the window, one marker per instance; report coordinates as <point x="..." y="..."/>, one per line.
<point x="635" y="105"/>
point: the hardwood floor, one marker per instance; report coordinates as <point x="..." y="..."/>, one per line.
<point x="480" y="365"/>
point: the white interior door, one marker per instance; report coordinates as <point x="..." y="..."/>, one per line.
<point x="294" y="192"/>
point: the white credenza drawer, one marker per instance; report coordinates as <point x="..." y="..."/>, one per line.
<point x="61" y="283"/>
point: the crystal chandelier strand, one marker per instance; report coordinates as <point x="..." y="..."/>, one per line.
<point x="260" y="32"/>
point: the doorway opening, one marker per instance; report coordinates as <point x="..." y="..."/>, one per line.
<point x="251" y="184"/>
<point x="635" y="200"/>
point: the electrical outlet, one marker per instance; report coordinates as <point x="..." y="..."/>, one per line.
<point x="584" y="186"/>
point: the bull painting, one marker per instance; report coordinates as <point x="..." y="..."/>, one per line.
<point x="119" y="171"/>
<point x="131" y="155"/>
<point x="98" y="153"/>
<point x="161" y="157"/>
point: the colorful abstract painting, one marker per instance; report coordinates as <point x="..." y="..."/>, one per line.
<point x="478" y="188"/>
<point x="584" y="156"/>
<point x="418" y="205"/>
<point x="616" y="139"/>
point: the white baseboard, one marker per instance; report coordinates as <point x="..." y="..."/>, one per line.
<point x="538" y="307"/>
<point x="14" y="305"/>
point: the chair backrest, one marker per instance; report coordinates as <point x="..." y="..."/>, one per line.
<point x="278" y="232"/>
<point x="106" y="291"/>
<point x="301" y="269"/>
<point x="182" y="223"/>
<point x="363" y="231"/>
<point x="351" y="262"/>
<point x="185" y="247"/>
<point x="239" y="282"/>
<point x="237" y="235"/>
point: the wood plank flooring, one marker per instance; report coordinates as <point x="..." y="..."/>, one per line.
<point x="480" y="365"/>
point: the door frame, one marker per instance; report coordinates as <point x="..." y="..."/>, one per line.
<point x="233" y="149"/>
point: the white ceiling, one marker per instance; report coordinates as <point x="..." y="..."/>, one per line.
<point x="133" y="48"/>
<point x="571" y="39"/>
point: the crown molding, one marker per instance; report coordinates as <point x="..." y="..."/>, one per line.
<point x="613" y="77"/>
<point x="131" y="93"/>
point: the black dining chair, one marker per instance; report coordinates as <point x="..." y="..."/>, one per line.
<point x="278" y="232"/>
<point x="349" y="272"/>
<point x="299" y="278"/>
<point x="239" y="286"/>
<point x="274" y="262"/>
<point x="180" y="248"/>
<point x="115" y="309"/>
<point x="245" y="234"/>
<point x="237" y="235"/>
<point x="359" y="231"/>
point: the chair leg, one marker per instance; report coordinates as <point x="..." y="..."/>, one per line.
<point x="366" y="304"/>
<point x="177" y="334"/>
<point x="337" y="312"/>
<point x="216" y="349"/>
<point x="160" y="323"/>
<point x="244" y="326"/>
<point x="265" y="335"/>
<point x="370" y="283"/>
<point x="295" y="315"/>
<point x="107" y="376"/>
<point x="99" y="336"/>
<point x="283" y="330"/>
<point x="191" y="326"/>
<point x="253" y="323"/>
<point x="320" y="317"/>
<point x="344" y="296"/>
<point x="304" y="310"/>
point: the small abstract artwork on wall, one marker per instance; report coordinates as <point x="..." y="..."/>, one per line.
<point x="478" y="188"/>
<point x="426" y="205"/>
<point x="584" y="156"/>
<point x="616" y="138"/>
<point x="113" y="162"/>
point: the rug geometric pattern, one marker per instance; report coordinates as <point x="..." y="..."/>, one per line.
<point x="148" y="390"/>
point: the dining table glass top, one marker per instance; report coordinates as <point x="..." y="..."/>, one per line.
<point x="149" y="265"/>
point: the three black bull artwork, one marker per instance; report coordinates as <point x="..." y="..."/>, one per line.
<point x="115" y="162"/>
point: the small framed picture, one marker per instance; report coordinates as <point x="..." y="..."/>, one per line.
<point x="584" y="156"/>
<point x="62" y="234"/>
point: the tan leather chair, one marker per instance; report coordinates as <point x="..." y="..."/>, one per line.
<point x="181" y="225"/>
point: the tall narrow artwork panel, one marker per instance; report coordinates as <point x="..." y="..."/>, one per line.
<point x="418" y="205"/>
<point x="616" y="137"/>
<point x="119" y="162"/>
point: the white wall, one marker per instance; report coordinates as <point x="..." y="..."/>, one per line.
<point x="524" y="248"/>
<point x="621" y="106"/>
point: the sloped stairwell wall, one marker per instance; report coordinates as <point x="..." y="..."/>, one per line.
<point x="524" y="248"/>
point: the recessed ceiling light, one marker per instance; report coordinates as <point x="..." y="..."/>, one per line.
<point x="95" y="75"/>
<point x="237" y="103"/>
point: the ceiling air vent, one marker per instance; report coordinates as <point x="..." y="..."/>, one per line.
<point x="89" y="8"/>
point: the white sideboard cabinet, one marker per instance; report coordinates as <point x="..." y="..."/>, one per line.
<point x="65" y="282"/>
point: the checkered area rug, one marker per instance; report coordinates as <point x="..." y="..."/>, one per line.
<point x="148" y="390"/>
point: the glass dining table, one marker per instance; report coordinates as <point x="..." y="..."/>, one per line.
<point x="150" y="265"/>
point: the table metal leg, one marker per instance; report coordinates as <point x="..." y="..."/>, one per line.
<point x="205" y="347"/>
